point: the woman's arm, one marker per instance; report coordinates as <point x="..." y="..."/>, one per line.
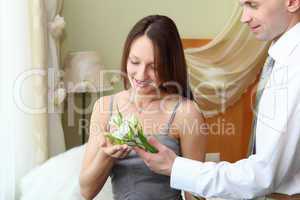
<point x="99" y="155"/>
<point x="96" y="165"/>
<point x="192" y="132"/>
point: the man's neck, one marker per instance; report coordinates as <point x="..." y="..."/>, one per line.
<point x="294" y="20"/>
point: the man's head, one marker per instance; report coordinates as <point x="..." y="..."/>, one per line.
<point x="269" y="19"/>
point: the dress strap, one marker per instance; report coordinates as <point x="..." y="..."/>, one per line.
<point x="172" y="116"/>
<point x="111" y="105"/>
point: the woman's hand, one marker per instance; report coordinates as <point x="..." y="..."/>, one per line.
<point x="115" y="151"/>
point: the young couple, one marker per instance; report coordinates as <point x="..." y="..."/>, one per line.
<point x="159" y="94"/>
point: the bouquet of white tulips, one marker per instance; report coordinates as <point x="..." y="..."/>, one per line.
<point x="129" y="131"/>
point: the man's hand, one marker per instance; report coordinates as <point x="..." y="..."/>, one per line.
<point x="160" y="162"/>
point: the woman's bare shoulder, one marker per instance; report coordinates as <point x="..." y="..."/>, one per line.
<point x="188" y="105"/>
<point x="189" y="109"/>
<point x="103" y="103"/>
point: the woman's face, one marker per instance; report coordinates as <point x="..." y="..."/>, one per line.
<point x="140" y="66"/>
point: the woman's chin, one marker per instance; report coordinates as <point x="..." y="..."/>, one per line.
<point x="143" y="90"/>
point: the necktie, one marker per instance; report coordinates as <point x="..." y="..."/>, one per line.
<point x="264" y="77"/>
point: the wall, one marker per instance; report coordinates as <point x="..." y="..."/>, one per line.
<point x="103" y="24"/>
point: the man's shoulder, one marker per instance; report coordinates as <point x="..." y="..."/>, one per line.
<point x="286" y="50"/>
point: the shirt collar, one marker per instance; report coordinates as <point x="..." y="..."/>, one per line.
<point x="285" y="45"/>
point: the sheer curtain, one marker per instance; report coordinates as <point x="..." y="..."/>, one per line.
<point x="221" y="71"/>
<point x="23" y="91"/>
<point x="56" y="23"/>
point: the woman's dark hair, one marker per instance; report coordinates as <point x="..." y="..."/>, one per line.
<point x="169" y="58"/>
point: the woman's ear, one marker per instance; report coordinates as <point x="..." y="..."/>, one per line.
<point x="293" y="5"/>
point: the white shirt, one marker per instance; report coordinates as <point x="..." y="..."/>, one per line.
<point x="276" y="165"/>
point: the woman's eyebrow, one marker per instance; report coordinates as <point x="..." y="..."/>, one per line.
<point x="133" y="56"/>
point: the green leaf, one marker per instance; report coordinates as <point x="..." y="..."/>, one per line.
<point x="146" y="144"/>
<point x="130" y="133"/>
<point x="114" y="140"/>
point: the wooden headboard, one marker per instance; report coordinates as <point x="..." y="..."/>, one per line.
<point x="192" y="43"/>
<point x="231" y="147"/>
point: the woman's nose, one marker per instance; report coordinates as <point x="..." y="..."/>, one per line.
<point x="141" y="72"/>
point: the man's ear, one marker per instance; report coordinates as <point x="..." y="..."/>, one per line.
<point x="293" y="5"/>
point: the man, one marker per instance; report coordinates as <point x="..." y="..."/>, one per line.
<point x="275" y="167"/>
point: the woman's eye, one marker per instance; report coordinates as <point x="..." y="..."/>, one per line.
<point x="134" y="62"/>
<point x="152" y="66"/>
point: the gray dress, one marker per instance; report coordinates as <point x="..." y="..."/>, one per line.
<point x="132" y="180"/>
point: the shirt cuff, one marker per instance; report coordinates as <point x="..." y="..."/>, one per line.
<point x="184" y="174"/>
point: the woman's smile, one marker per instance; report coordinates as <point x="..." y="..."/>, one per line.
<point x="142" y="83"/>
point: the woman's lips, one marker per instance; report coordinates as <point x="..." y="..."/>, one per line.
<point x="141" y="83"/>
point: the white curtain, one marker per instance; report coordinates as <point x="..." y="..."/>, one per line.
<point x="23" y="92"/>
<point x="221" y="71"/>
<point x="56" y="141"/>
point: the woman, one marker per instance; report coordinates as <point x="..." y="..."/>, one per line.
<point x="157" y="92"/>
